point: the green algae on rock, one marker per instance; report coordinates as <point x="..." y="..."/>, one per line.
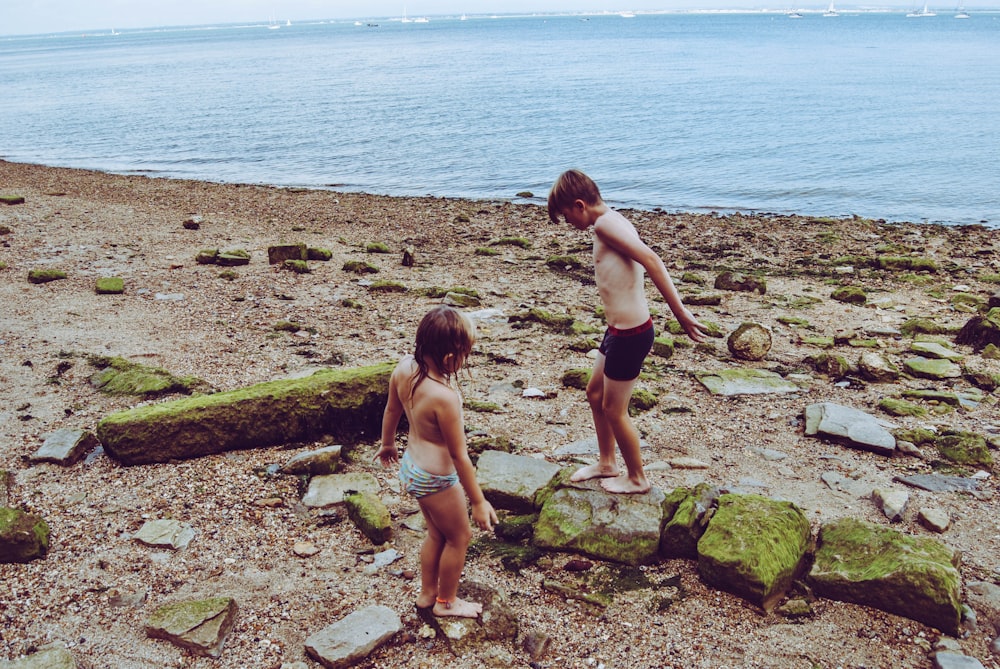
<point x="45" y="275"/>
<point x="345" y="404"/>
<point x="109" y="285"/>
<point x="370" y="515"/>
<point x="119" y="376"/>
<point x="913" y="577"/>
<point x="754" y="547"/>
<point x="23" y="536"/>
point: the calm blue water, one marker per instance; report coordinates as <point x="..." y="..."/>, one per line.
<point x="871" y="114"/>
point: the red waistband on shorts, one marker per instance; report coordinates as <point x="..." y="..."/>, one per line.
<point x="639" y="329"/>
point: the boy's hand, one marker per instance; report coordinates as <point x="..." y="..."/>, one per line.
<point x="694" y="329"/>
<point x="484" y="516"/>
<point x="388" y="454"/>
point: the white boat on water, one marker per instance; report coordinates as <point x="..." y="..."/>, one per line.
<point x="422" y="19"/>
<point x="922" y="13"/>
<point x="962" y="14"/>
<point x="794" y="15"/>
<point x="627" y="15"/>
<point x="831" y="11"/>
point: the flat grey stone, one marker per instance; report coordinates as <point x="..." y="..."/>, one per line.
<point x="53" y="657"/>
<point x="66" y="446"/>
<point x="165" y="533"/>
<point x="891" y="502"/>
<point x="512" y="481"/>
<point x="856" y="427"/>
<point x="939" y="483"/>
<point x="729" y="382"/>
<point x="354" y="637"/>
<point x="842" y="483"/>
<point x="956" y="661"/>
<point x="330" y="489"/>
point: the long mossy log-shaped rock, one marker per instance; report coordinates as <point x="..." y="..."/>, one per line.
<point x="754" y="547"/>
<point x="913" y="577"/>
<point x="345" y="404"/>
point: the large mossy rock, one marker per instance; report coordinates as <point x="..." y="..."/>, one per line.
<point x="913" y="577"/>
<point x="23" y="536"/>
<point x="514" y="481"/>
<point x="687" y="512"/>
<point x="200" y="626"/>
<point x="584" y="518"/>
<point x="370" y="515"/>
<point x="981" y="331"/>
<point x="345" y="404"/>
<point x="754" y="547"/>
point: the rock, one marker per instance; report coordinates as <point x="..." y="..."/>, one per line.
<point x="855" y="427"/>
<point x="914" y="577"/>
<point x="935" y="350"/>
<point x="370" y="515"/>
<point x="687" y="463"/>
<point x="891" y="502"/>
<point x="729" y="382"/>
<point x="985" y="598"/>
<point x="45" y="275"/>
<point x="850" y="295"/>
<point x="305" y="549"/>
<point x="754" y="547"/>
<point x="736" y="281"/>
<point x="981" y="331"/>
<point x="109" y="285"/>
<point x="23" y="536"/>
<point x="836" y="481"/>
<point x="750" y="341"/>
<point x="319" y="462"/>
<point x="536" y="645"/>
<point x="965" y="448"/>
<point x="460" y="300"/>
<point x="333" y="488"/>
<point x="52" y="657"/>
<point x="687" y="513"/>
<point x="279" y="253"/>
<point x="583" y="518"/>
<point x="876" y="368"/>
<point x="6" y="481"/>
<point x="352" y="638"/>
<point x="497" y="622"/>
<point x="200" y="626"/>
<point x="514" y="481"/>
<point x="345" y="404"/>
<point x="934" y="519"/>
<point x="945" y="660"/>
<point x="939" y="482"/>
<point x="927" y="368"/>
<point x="165" y="533"/>
<point x="233" y="258"/>
<point x="66" y="446"/>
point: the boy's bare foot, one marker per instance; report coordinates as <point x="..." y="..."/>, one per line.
<point x="458" y="608"/>
<point x="623" y="485"/>
<point x="594" y="471"/>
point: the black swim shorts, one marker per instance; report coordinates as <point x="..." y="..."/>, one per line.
<point x="625" y="350"/>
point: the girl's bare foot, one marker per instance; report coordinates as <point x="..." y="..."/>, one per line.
<point x="623" y="485"/>
<point x="458" y="608"/>
<point x="595" y="471"/>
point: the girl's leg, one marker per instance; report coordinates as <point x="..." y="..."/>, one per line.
<point x="430" y="557"/>
<point x="606" y="464"/>
<point x="616" y="398"/>
<point x="447" y="511"/>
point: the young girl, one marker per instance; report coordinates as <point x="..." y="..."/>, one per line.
<point x="436" y="457"/>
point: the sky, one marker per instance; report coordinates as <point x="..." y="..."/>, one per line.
<point x="25" y="17"/>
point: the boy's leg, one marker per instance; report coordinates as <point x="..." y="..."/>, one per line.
<point x="606" y="464"/>
<point x="448" y="512"/>
<point x="617" y="395"/>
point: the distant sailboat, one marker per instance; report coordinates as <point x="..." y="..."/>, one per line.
<point x="962" y="14"/>
<point x="794" y="15"/>
<point x="831" y="11"/>
<point x="922" y="13"/>
<point x="404" y="19"/>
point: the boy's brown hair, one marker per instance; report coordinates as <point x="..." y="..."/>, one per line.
<point x="571" y="185"/>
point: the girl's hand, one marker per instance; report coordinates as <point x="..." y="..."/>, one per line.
<point x="388" y="454"/>
<point x="484" y="515"/>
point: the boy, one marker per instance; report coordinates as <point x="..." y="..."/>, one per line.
<point x="620" y="258"/>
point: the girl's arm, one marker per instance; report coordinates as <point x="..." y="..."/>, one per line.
<point x="449" y="418"/>
<point x="388" y="453"/>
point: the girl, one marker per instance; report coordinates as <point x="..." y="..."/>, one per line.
<point x="436" y="457"/>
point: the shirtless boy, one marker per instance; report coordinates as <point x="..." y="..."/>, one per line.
<point x="621" y="260"/>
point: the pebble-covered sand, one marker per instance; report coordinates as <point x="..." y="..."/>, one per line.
<point x="97" y="587"/>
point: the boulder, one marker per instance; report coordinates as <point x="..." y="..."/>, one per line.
<point x="200" y="626"/>
<point x="584" y="518"/>
<point x="279" y="253"/>
<point x="334" y="488"/>
<point x="855" y="427"/>
<point x="754" y="547"/>
<point x="750" y="341"/>
<point x="23" y="536"/>
<point x="370" y="515"/>
<point x="66" y="446"/>
<point x="744" y="381"/>
<point x="345" y="404"/>
<point x="320" y="462"/>
<point x="736" y="281"/>
<point x="687" y="512"/>
<point x="913" y="577"/>
<point x="931" y="368"/>
<point x="351" y="639"/>
<point x="513" y="481"/>
<point x="981" y="331"/>
<point x="876" y="368"/>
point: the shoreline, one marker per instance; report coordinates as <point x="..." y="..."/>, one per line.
<point x="200" y="320"/>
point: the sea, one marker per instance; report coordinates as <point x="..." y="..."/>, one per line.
<point x="871" y="114"/>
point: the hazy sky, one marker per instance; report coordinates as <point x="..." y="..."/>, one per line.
<point x="43" y="16"/>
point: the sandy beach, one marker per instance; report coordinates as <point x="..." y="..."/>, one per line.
<point x="218" y="324"/>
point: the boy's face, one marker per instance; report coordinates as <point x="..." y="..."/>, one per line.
<point x="575" y="215"/>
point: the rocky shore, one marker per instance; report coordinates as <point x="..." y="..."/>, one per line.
<point x="846" y="306"/>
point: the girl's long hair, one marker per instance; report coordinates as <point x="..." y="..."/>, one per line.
<point x="442" y="331"/>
